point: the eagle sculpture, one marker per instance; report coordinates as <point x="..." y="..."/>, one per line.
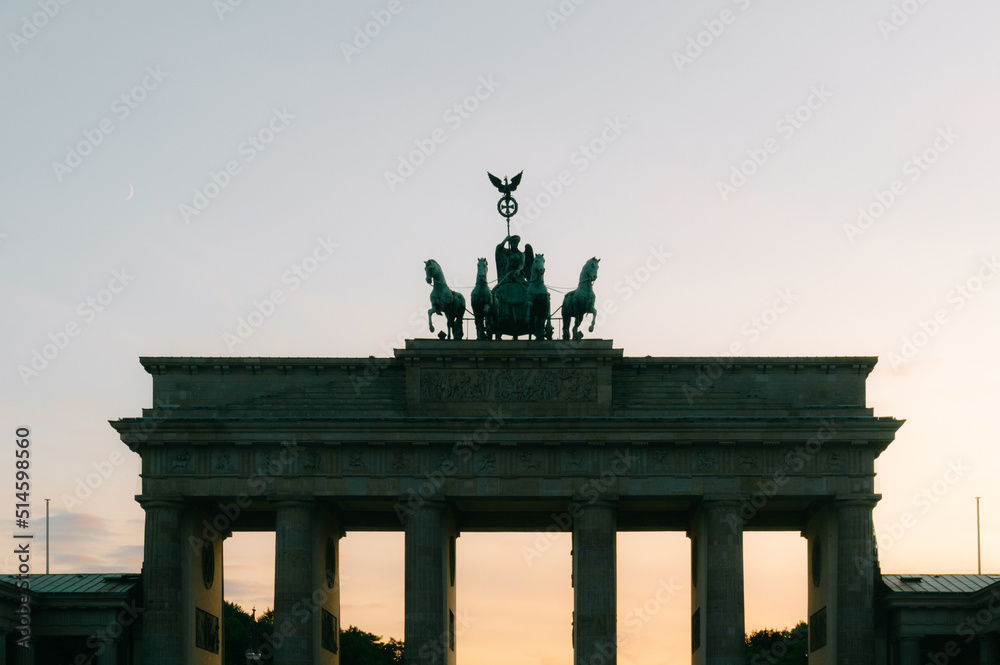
<point x="502" y="185"/>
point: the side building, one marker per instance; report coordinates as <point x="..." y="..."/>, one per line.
<point x="75" y="619"/>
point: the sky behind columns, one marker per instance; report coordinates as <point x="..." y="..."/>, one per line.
<point x="758" y="178"/>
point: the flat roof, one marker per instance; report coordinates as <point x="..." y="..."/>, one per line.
<point x="916" y="583"/>
<point x="79" y="582"/>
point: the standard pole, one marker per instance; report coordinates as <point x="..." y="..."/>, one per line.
<point x="979" y="542"/>
<point x="47" y="536"/>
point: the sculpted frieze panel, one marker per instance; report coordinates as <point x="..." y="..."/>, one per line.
<point x="225" y="463"/>
<point x="531" y="462"/>
<point x="400" y="462"/>
<point x="355" y="462"/>
<point x="181" y="462"/>
<point x="508" y="385"/>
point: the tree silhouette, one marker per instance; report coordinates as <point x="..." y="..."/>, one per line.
<point x="779" y="647"/>
<point x="356" y="646"/>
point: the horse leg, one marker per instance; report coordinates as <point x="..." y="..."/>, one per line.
<point x="430" y="323"/>
<point x="548" y="317"/>
<point x="567" y="312"/>
<point x="459" y="316"/>
<point x="533" y="319"/>
<point x="593" y="317"/>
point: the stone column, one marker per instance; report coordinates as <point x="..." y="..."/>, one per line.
<point x="989" y="650"/>
<point x="429" y="633"/>
<point x="162" y="582"/>
<point x="293" y="582"/>
<point x="595" y="584"/>
<point x="717" y="576"/>
<point x="855" y="632"/>
<point x="909" y="651"/>
<point x="25" y="655"/>
<point x="109" y="655"/>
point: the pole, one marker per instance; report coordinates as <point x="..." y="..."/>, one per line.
<point x="979" y="542"/>
<point x="47" y="536"/>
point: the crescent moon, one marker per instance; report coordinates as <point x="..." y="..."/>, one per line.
<point x="131" y="191"/>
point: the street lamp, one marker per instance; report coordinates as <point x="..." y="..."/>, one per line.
<point x="253" y="653"/>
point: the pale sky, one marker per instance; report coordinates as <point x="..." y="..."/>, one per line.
<point x="167" y="165"/>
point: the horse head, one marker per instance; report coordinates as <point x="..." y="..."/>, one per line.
<point x="482" y="268"/>
<point x="589" y="272"/>
<point x="431" y="270"/>
<point x="538" y="267"/>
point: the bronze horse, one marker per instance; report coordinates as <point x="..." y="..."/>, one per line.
<point x="444" y="301"/>
<point x="580" y="302"/>
<point x="482" y="302"/>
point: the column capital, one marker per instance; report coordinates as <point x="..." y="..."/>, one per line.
<point x="437" y="502"/>
<point x="148" y="501"/>
<point x="602" y="502"/>
<point x="405" y="511"/>
<point x="721" y="501"/>
<point x="292" y="502"/>
<point x="856" y="500"/>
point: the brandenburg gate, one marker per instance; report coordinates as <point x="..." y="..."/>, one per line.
<point x="514" y="435"/>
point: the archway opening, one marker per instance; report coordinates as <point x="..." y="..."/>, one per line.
<point x="372" y="583"/>
<point x="515" y="599"/>
<point x="774" y="579"/>
<point x="654" y="598"/>
<point x="248" y="570"/>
